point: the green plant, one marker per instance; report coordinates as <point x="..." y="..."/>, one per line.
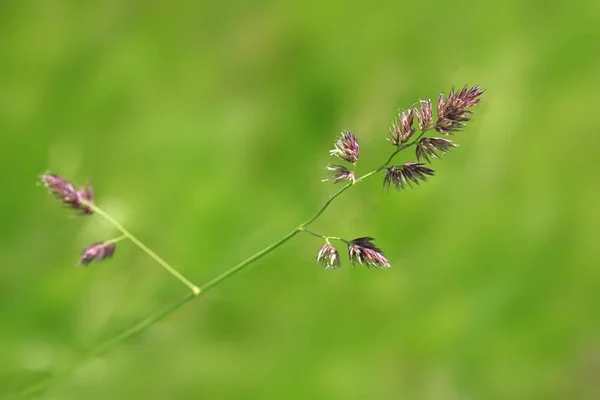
<point x="453" y="112"/>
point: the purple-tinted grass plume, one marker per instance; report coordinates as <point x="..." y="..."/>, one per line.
<point x="66" y="192"/>
<point x="429" y="147"/>
<point x="339" y="173"/>
<point x="329" y="257"/>
<point x="402" y="175"/>
<point x="424" y="115"/>
<point x="346" y="147"/>
<point x="365" y="252"/>
<point x="98" y="251"/>
<point x="454" y="111"/>
<point x="402" y="129"/>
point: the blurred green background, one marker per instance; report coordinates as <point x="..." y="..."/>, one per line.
<point x="205" y="126"/>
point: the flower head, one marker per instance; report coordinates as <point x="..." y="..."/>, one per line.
<point x="346" y="147"/>
<point x="401" y="175"/>
<point x="339" y="173"/>
<point x="329" y="256"/>
<point x="402" y="129"/>
<point x="429" y="147"/>
<point x="453" y="112"/>
<point x="98" y="251"/>
<point x="66" y="192"/>
<point x="424" y="115"/>
<point x="364" y="251"/>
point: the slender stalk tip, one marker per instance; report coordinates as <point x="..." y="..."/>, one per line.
<point x="196" y="290"/>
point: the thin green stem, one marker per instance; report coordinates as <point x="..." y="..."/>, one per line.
<point x="313" y="233"/>
<point x="249" y="260"/>
<point x="115" y="240"/>
<point x="382" y="166"/>
<point x="416" y="139"/>
<point x="195" y="289"/>
<point x="327" y="203"/>
<point x="327" y="238"/>
<point x="145" y="324"/>
<point x="389" y="160"/>
<point x="104" y="347"/>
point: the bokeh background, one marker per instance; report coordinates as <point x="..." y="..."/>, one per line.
<point x="205" y="126"/>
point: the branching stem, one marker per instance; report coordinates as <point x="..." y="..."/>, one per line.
<point x="327" y="238"/>
<point x="196" y="291"/>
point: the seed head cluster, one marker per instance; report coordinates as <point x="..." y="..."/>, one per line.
<point x="363" y="251"/>
<point x="408" y="129"/>
<point x="346" y="147"/>
<point x="78" y="199"/>
<point x="402" y="129"/>
<point x="360" y="250"/>
<point x="401" y="176"/>
<point x="431" y="147"/>
<point x="329" y="257"/>
<point x="454" y="111"/>
<point x="66" y="192"/>
<point x="424" y="115"/>
<point x="339" y="173"/>
<point x="98" y="251"/>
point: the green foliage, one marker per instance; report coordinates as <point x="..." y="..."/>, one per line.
<point x="205" y="128"/>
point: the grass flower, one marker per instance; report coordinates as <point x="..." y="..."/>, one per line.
<point x="429" y="147"/>
<point x="402" y="129"/>
<point x="339" y="173"/>
<point x="329" y="257"/>
<point x="346" y="147"/>
<point x="98" y="251"/>
<point x="363" y="251"/>
<point x="407" y="174"/>
<point x="66" y="192"/>
<point x="454" y="111"/>
<point x="424" y="115"/>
